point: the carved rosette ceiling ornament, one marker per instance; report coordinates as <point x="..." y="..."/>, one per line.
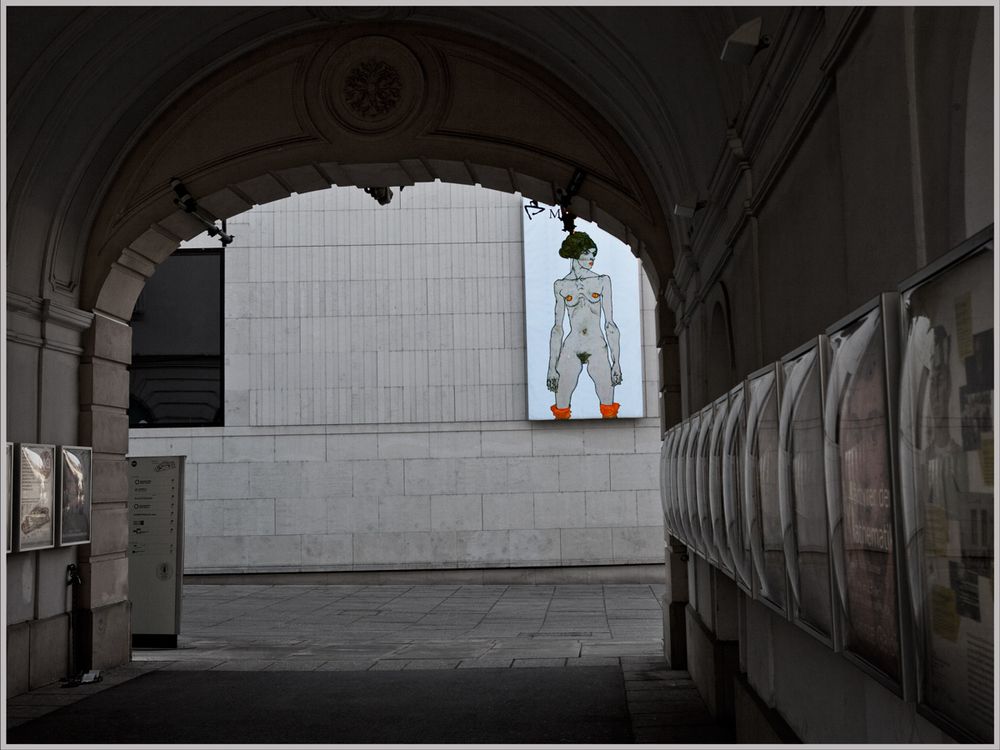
<point x="372" y="84"/>
<point x="373" y="89"/>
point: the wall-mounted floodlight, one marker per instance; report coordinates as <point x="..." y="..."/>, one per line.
<point x="688" y="207"/>
<point x="187" y="202"/>
<point x="381" y="194"/>
<point x="744" y="43"/>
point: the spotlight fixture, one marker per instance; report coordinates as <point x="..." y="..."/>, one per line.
<point x="565" y="197"/>
<point x="744" y="43"/>
<point x="688" y="207"/>
<point x="382" y="194"/>
<point x="187" y="202"/>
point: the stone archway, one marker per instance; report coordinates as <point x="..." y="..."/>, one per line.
<point x="363" y="106"/>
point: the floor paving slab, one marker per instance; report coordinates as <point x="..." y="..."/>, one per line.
<point x="293" y="632"/>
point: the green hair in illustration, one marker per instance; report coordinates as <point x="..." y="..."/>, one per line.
<point x="576" y="245"/>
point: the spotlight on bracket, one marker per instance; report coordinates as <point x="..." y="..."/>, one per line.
<point x="744" y="43"/>
<point x="382" y="194"/>
<point x="688" y="207"/>
<point x="187" y="202"/>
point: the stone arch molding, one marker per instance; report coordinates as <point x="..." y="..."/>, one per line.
<point x="367" y="106"/>
<point x="351" y="106"/>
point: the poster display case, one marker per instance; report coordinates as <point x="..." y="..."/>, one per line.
<point x="860" y="488"/>
<point x="34" y="496"/>
<point x="947" y="485"/>
<point x="681" y="472"/>
<point x="675" y="486"/>
<point x="732" y="488"/>
<point x="760" y="488"/>
<point x="8" y="494"/>
<point x="703" y="519"/>
<point x="714" y="521"/>
<point x="75" y="463"/>
<point x="667" y="499"/>
<point x="802" y="490"/>
<point x="691" y="483"/>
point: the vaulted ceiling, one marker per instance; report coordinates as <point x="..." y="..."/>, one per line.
<point x="85" y="85"/>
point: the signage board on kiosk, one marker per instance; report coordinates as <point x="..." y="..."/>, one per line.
<point x="155" y="548"/>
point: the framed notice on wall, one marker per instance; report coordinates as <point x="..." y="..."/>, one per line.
<point x="35" y="494"/>
<point x="713" y="519"/>
<point x="947" y="482"/>
<point x="668" y="484"/>
<point x="760" y="490"/>
<point x="733" y="438"/>
<point x="802" y="489"/>
<point x="691" y="483"/>
<point x="8" y="494"/>
<point x="680" y="472"/>
<point x="75" y="495"/>
<point x="703" y="518"/>
<point x="860" y="487"/>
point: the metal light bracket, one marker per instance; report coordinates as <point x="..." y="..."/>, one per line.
<point x="187" y="202"/>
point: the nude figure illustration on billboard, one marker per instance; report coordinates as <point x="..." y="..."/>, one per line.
<point x="583" y="295"/>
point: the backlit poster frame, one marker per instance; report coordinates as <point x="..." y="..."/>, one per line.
<point x="8" y="495"/>
<point x="673" y="496"/>
<point x="760" y="490"/>
<point x="75" y="495"/>
<point x="691" y="481"/>
<point x="680" y="471"/>
<point x="666" y="492"/>
<point x="35" y="496"/>
<point x="734" y="435"/>
<point x="947" y="484"/>
<point x="805" y="367"/>
<point x="859" y="417"/>
<point x="715" y="523"/>
<point x="702" y="518"/>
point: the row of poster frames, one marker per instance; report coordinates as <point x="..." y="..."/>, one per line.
<point x="37" y="477"/>
<point x="850" y="488"/>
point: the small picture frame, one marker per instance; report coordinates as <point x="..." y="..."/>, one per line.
<point x="35" y="506"/>
<point x="8" y="494"/>
<point x="75" y="503"/>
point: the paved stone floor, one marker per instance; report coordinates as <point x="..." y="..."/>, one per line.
<point x="430" y="627"/>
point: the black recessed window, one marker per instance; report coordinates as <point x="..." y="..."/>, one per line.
<point x="176" y="378"/>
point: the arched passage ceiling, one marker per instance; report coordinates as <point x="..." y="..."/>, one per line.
<point x="99" y="79"/>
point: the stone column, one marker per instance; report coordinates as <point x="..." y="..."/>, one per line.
<point x="101" y="607"/>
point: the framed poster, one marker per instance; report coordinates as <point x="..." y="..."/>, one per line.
<point x="732" y="487"/>
<point x="713" y="519"/>
<point x="674" y="498"/>
<point x="860" y="488"/>
<point x="691" y="482"/>
<point x="75" y="463"/>
<point x="680" y="469"/>
<point x="947" y="484"/>
<point x="760" y="490"/>
<point x="35" y="496"/>
<point x="666" y="496"/>
<point x="8" y="494"/>
<point x="802" y="490"/>
<point x="703" y="519"/>
<point x="582" y="314"/>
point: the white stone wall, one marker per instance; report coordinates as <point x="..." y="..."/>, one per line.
<point x="375" y="403"/>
